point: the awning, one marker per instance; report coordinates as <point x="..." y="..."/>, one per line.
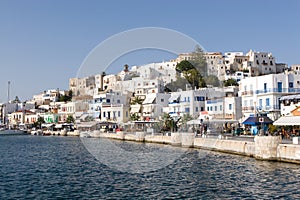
<point x="87" y="125"/>
<point x="287" y="121"/>
<point x="149" y="99"/>
<point x="289" y="97"/>
<point x="194" y="121"/>
<point x="147" y="109"/>
<point x="257" y="120"/>
<point x="83" y="116"/>
<point x="174" y="98"/>
<point x="135" y="108"/>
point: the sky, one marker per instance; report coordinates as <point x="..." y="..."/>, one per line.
<point x="43" y="43"/>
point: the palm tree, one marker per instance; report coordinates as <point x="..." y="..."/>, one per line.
<point x="136" y="100"/>
<point x="184" y="119"/>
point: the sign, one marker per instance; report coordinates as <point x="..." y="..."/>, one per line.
<point x="261" y="119"/>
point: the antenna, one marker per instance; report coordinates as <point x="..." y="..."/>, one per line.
<point x="8" y="92"/>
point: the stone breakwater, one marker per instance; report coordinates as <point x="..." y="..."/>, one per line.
<point x="263" y="147"/>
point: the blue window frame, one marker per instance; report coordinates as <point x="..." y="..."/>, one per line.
<point x="267" y="101"/>
<point x="187" y="109"/>
<point x="279" y="85"/>
<point x="260" y="103"/>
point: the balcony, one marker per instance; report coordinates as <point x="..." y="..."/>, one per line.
<point x="248" y="108"/>
<point x="268" y="108"/>
<point x="278" y="90"/>
<point x="247" y="93"/>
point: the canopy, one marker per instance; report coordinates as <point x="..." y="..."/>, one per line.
<point x="257" y="120"/>
<point x="287" y="121"/>
<point x="213" y="121"/>
<point x="149" y="99"/>
<point x="147" y="109"/>
<point x="289" y="97"/>
<point x="135" y="108"/>
<point x="174" y="98"/>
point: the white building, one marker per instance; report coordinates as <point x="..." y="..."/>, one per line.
<point x="288" y="104"/>
<point x="215" y="63"/>
<point x="295" y="68"/>
<point x="225" y="104"/>
<point x="152" y="106"/>
<point x="190" y="102"/>
<point x="82" y="86"/>
<point x="110" y="106"/>
<point x="262" y="93"/>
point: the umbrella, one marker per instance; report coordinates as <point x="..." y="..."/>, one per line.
<point x="257" y="120"/>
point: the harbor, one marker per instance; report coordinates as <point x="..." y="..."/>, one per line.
<point x="46" y="167"/>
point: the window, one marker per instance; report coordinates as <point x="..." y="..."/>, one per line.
<point x="202" y="109"/>
<point x="207" y="108"/>
<point x="260" y="103"/>
<point x="216" y="108"/>
<point x="162" y="100"/>
<point x="220" y="107"/>
<point x="291" y="84"/>
<point x="107" y="100"/>
<point x="126" y="113"/>
<point x="230" y="106"/>
<point x="197" y="109"/>
<point x="267" y="101"/>
<point x="279" y="85"/>
<point x="188" y="99"/>
<point x="119" y="113"/>
<point x="104" y="114"/>
<point x="118" y="101"/>
<point x="187" y="109"/>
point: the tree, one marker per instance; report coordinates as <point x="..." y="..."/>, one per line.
<point x="199" y="61"/>
<point x="230" y="82"/>
<point x="39" y="122"/>
<point x="180" y="83"/>
<point x="212" y="80"/>
<point x="134" y="117"/>
<point x="167" y="122"/>
<point x="67" y="97"/>
<point x="184" y="119"/>
<point x="184" y="66"/>
<point x="137" y="100"/>
<point x="70" y="119"/>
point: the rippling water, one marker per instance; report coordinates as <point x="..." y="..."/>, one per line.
<point x="36" y="167"/>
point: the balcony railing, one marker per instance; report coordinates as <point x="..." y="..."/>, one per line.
<point x="278" y="90"/>
<point x="248" y="108"/>
<point x="247" y="92"/>
<point x="268" y="108"/>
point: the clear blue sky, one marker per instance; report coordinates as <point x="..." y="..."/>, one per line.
<point x="43" y="43"/>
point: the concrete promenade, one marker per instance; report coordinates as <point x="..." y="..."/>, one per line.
<point x="260" y="147"/>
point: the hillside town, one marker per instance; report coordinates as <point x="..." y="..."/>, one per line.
<point x="251" y="92"/>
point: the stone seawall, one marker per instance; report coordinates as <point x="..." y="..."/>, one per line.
<point x="262" y="148"/>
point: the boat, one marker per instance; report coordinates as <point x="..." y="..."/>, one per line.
<point x="85" y="134"/>
<point x="9" y="132"/>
